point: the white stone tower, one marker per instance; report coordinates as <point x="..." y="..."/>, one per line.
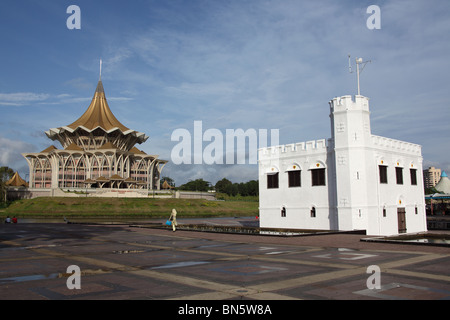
<point x="350" y="138"/>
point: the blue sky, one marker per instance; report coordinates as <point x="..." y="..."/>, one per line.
<point x="260" y="64"/>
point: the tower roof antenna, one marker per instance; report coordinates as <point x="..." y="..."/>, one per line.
<point x="359" y="61"/>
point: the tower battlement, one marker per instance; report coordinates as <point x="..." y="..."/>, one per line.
<point x="396" y="145"/>
<point x="348" y="103"/>
<point x="300" y="148"/>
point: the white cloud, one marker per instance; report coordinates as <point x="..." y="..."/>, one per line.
<point x="10" y="153"/>
<point x="28" y="98"/>
<point x="22" y="98"/>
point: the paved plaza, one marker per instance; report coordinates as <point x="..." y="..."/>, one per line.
<point x="129" y="262"/>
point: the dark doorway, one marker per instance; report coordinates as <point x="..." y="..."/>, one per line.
<point x="401" y="214"/>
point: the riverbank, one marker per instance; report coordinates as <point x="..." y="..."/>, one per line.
<point x="47" y="207"/>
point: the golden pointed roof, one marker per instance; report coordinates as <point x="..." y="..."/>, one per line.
<point x="73" y="147"/>
<point x="137" y="151"/>
<point x="16" y="181"/>
<point x="49" y="149"/>
<point x="98" y="114"/>
<point x="166" y="185"/>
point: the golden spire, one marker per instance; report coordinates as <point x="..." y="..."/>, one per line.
<point x="97" y="116"/>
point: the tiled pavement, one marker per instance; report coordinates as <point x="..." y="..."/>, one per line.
<point x="122" y="262"/>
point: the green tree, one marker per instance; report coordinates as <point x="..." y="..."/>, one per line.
<point x="253" y="188"/>
<point x="250" y="188"/>
<point x="6" y="173"/>
<point x="233" y="190"/>
<point x="242" y="189"/>
<point x="223" y="186"/>
<point x="196" y="185"/>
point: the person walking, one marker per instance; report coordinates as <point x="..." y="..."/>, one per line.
<point x="173" y="218"/>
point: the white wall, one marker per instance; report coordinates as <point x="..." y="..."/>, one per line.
<point x="298" y="201"/>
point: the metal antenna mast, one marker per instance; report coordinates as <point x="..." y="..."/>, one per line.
<point x="100" y="69"/>
<point x="359" y="61"/>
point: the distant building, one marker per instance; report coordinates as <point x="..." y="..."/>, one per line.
<point x="352" y="181"/>
<point x="431" y="177"/>
<point x="16" y="188"/>
<point x="444" y="184"/>
<point x="98" y="153"/>
<point x="16" y="181"/>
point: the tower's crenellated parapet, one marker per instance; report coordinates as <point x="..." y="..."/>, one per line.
<point x="346" y="103"/>
<point x="295" y="149"/>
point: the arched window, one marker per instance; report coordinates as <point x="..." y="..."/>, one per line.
<point x="120" y="167"/>
<point x="139" y="172"/>
<point x="318" y="177"/>
<point x="105" y="170"/>
<point x="60" y="171"/>
<point x="294" y="175"/>
<point x="81" y="172"/>
<point x="272" y="174"/>
<point x="95" y="168"/>
<point x="47" y="174"/>
<point x="42" y="173"/>
<point x="133" y="169"/>
<point x="294" y="178"/>
<point x="142" y="171"/>
<point x="37" y="172"/>
<point x="69" y="173"/>
<point x="313" y="212"/>
<point x="318" y="174"/>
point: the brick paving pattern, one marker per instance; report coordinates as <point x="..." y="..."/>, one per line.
<point x="125" y="262"/>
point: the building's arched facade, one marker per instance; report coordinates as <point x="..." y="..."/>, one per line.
<point x="98" y="152"/>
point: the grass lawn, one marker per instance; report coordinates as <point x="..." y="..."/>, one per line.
<point x="47" y="207"/>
